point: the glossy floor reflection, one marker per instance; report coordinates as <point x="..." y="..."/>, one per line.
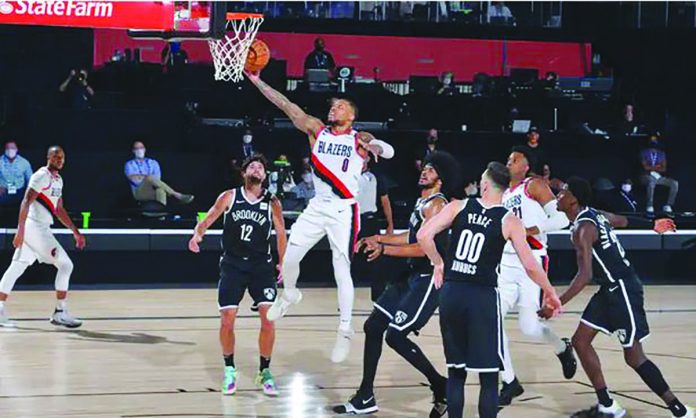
<point x="154" y="353"/>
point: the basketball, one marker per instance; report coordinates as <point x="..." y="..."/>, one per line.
<point x="258" y="56"/>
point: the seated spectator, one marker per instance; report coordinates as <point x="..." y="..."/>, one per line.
<point x="305" y="189"/>
<point x="654" y="161"/>
<point x="320" y="58"/>
<point x="76" y="88"/>
<point x="173" y="56"/>
<point x="145" y="178"/>
<point x="447" y="87"/>
<point x="555" y="184"/>
<point x="535" y="150"/>
<point x="15" y="172"/>
<point x="281" y="181"/>
<point x="612" y="199"/>
<point x="430" y="146"/>
<point x="499" y="13"/>
<point x="247" y="149"/>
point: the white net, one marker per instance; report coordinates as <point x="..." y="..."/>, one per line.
<point x="230" y="52"/>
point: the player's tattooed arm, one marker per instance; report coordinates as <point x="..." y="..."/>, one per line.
<point x="29" y="198"/>
<point x="279" y="226"/>
<point x="584" y="237"/>
<point x="660" y="226"/>
<point x="221" y="204"/>
<point x="426" y="237"/>
<point x="302" y="121"/>
<point x="64" y="218"/>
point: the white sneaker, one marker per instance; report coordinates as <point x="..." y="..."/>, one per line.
<point x="615" y="410"/>
<point x="5" y="321"/>
<point x="667" y="209"/>
<point x="282" y="304"/>
<point x="342" y="348"/>
<point x="690" y="413"/>
<point x="63" y="318"/>
<point x="650" y="209"/>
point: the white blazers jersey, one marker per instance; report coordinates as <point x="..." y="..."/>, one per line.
<point x="50" y="189"/>
<point x="521" y="204"/>
<point x="336" y="165"/>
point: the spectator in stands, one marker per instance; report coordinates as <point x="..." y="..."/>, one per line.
<point x="77" y="89"/>
<point x="431" y="145"/>
<point x="305" y="189"/>
<point x="173" y="56"/>
<point x="499" y="13"/>
<point x="654" y="161"/>
<point x="246" y="151"/>
<point x="628" y="202"/>
<point x="280" y="180"/>
<point x="145" y="178"/>
<point x="535" y="150"/>
<point x="447" y="87"/>
<point x="319" y="58"/>
<point x="15" y="172"/>
<point x="629" y="124"/>
<point x="555" y="184"/>
<point x="617" y="200"/>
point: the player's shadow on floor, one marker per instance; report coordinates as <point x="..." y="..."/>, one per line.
<point x="132" y="338"/>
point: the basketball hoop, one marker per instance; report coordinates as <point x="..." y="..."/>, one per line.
<point x="230" y="52"/>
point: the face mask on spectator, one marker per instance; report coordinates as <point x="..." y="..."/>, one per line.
<point x="307" y="178"/>
<point x="11" y="153"/>
<point x="626" y="188"/>
<point x="247" y="139"/>
<point x="139" y="153"/>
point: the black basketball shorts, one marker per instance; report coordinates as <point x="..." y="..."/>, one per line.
<point x="238" y="276"/>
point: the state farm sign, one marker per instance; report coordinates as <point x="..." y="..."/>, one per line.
<point x="99" y="14"/>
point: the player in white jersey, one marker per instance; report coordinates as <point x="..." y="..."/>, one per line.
<point x="34" y="240"/>
<point x="531" y="200"/>
<point x="337" y="153"/>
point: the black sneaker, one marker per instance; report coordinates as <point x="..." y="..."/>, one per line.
<point x="359" y="404"/>
<point x="439" y="400"/>
<point x="509" y="392"/>
<point x="568" y="361"/>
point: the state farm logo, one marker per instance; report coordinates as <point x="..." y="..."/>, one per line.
<point x="6" y="8"/>
<point x="58" y="8"/>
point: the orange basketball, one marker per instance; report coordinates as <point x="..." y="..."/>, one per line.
<point x="258" y="56"/>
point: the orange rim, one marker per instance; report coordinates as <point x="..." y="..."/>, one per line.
<point x="240" y="16"/>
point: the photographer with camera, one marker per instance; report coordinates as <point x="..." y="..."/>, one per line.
<point x="77" y="89"/>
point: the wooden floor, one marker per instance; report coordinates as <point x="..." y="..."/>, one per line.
<point x="154" y="353"/>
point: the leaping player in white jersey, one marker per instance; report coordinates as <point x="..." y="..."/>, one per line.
<point x="337" y="153"/>
<point x="531" y="200"/>
<point x="34" y="240"/>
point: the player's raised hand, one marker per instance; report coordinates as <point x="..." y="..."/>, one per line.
<point x="373" y="250"/>
<point x="663" y="225"/>
<point x="438" y="275"/>
<point x="365" y="139"/>
<point x="193" y="244"/>
<point x="80" y="241"/>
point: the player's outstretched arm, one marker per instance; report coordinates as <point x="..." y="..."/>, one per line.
<point x="64" y="218"/>
<point x="555" y="220"/>
<point x="426" y="237"/>
<point x="406" y="249"/>
<point x="221" y="204"/>
<point x="279" y="226"/>
<point x="584" y="237"/>
<point x="514" y="231"/>
<point x="660" y="226"/>
<point x="302" y="121"/>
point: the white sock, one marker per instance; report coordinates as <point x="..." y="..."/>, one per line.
<point x="508" y="372"/>
<point x="61" y="304"/>
<point x="550" y="337"/>
<point x="345" y="290"/>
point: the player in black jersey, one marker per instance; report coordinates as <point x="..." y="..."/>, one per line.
<point x="408" y="303"/>
<point x="470" y="316"/>
<point x="246" y="263"/>
<point x="617" y="308"/>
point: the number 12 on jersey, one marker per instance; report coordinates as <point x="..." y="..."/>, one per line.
<point x="246" y="232"/>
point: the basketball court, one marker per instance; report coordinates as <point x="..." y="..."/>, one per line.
<point x="159" y="357"/>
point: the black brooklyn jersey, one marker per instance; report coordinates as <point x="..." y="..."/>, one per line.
<point x="247" y="226"/>
<point x="610" y="263"/>
<point x="476" y="244"/>
<point x="422" y="264"/>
